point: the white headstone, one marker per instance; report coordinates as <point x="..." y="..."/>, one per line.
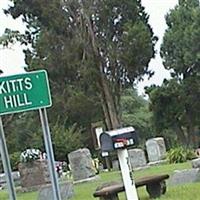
<point x="196" y="163"/>
<point x="156" y="149"/>
<point x="98" y="132"/>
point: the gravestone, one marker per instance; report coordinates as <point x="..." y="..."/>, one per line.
<point x="185" y="176"/>
<point x="15" y="176"/>
<point x="81" y="164"/>
<point x="196" y="163"/>
<point x="137" y="158"/>
<point x="34" y="174"/>
<point x="66" y="191"/>
<point x="156" y="149"/>
<point x="115" y="165"/>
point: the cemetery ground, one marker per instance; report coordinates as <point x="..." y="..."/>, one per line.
<point x="84" y="191"/>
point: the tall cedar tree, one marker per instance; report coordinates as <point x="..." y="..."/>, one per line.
<point x="96" y="46"/>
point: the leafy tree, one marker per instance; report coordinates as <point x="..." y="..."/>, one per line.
<point x="135" y="113"/>
<point x="66" y="140"/>
<point x="180" y="49"/>
<point x="106" y="44"/>
<point x="23" y="131"/>
<point x="167" y="106"/>
<point x="176" y="103"/>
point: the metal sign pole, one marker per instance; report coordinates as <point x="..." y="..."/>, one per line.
<point x="129" y="184"/>
<point x="50" y="155"/>
<point x="6" y="163"/>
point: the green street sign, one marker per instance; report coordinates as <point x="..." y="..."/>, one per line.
<point x="22" y="92"/>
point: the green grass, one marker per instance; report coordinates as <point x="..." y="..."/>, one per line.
<point x="20" y="196"/>
<point x="84" y="191"/>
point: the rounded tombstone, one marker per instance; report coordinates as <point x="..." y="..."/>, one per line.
<point x="156" y="149"/>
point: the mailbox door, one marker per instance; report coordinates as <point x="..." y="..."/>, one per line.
<point x="106" y="143"/>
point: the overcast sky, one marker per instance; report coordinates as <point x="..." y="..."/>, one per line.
<point x="12" y="60"/>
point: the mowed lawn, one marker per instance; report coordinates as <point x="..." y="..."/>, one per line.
<point x="84" y="191"/>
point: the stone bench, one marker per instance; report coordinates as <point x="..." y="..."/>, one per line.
<point x="155" y="186"/>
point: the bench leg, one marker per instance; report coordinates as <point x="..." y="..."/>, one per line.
<point x="110" y="197"/>
<point x="156" y="189"/>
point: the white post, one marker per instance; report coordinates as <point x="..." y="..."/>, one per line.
<point x="129" y="184"/>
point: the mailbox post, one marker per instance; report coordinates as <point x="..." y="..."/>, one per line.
<point x="119" y="140"/>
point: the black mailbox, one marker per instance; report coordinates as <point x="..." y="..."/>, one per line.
<point x="118" y="139"/>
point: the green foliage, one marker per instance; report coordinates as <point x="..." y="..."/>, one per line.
<point x="180" y="155"/>
<point x="23" y="131"/>
<point x="135" y="113"/>
<point x="81" y="43"/>
<point x="77" y="41"/>
<point x="79" y="105"/>
<point x="10" y="37"/>
<point x="66" y="140"/>
<point x="182" y="56"/>
<point x="14" y="160"/>
<point x="175" y="104"/>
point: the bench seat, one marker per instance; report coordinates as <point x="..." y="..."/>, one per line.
<point x="155" y="186"/>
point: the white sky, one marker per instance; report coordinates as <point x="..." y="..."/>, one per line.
<point x="12" y="60"/>
<point x="157" y="10"/>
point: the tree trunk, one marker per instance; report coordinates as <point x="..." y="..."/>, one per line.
<point x="193" y="139"/>
<point x="109" y="106"/>
<point x="180" y="133"/>
<point x="107" y="99"/>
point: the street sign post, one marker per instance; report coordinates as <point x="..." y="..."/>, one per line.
<point x="23" y="92"/>
<point x="50" y="155"/>
<point x="6" y="163"/>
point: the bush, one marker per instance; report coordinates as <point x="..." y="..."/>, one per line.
<point x="14" y="160"/>
<point x="66" y="140"/>
<point x="180" y="155"/>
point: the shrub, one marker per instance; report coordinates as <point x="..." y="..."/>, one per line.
<point x="14" y="160"/>
<point x="190" y="154"/>
<point x="179" y="155"/>
<point x="66" y="140"/>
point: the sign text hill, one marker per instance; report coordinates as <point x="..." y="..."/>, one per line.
<point x="22" y="92"/>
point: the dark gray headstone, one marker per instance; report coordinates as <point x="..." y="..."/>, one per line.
<point x="115" y="165"/>
<point x="137" y="158"/>
<point x="66" y="191"/>
<point x="34" y="174"/>
<point x="81" y="164"/>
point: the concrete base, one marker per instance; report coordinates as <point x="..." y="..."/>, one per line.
<point x="87" y="180"/>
